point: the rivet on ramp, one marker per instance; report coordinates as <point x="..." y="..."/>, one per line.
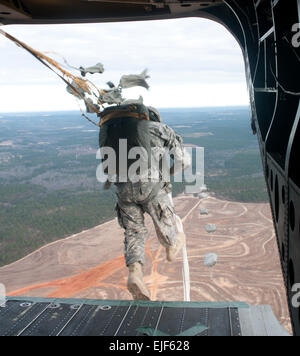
<point x="75" y="306"/>
<point x="25" y="304"/>
<point x="105" y="307"/>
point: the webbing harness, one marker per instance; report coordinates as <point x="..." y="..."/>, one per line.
<point x="118" y="113"/>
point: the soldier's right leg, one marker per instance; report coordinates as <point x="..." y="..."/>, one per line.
<point x="131" y="219"/>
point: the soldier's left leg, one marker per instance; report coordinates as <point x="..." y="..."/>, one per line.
<point x="131" y="218"/>
<point x="167" y="224"/>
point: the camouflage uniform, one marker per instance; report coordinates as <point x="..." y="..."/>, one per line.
<point x="131" y="218"/>
<point x="154" y="198"/>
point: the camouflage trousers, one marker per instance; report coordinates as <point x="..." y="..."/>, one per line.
<point x="130" y="211"/>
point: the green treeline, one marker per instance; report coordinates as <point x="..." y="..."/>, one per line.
<point x="28" y="221"/>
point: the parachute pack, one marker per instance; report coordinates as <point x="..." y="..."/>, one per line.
<point x="129" y="123"/>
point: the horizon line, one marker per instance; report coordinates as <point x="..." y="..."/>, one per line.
<point x="159" y="108"/>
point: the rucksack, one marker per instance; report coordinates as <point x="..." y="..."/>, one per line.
<point x="130" y="123"/>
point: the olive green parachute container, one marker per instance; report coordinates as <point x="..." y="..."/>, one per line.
<point x="129" y="123"/>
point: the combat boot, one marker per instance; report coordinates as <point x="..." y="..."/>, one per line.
<point x="135" y="283"/>
<point x="173" y="251"/>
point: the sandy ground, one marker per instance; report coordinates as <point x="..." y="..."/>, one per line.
<point x="91" y="264"/>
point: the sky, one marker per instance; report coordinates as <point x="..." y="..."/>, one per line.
<point x="192" y="63"/>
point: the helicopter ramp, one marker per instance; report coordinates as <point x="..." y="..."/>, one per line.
<point x="77" y="317"/>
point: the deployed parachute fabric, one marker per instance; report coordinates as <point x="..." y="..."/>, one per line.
<point x="133" y="80"/>
<point x="204" y="211"/>
<point x="139" y="101"/>
<point x="210" y="259"/>
<point x="71" y="80"/>
<point x="210" y="228"/>
<point x="97" y="68"/>
<point x="203" y="195"/>
<point x="81" y="87"/>
<point x="111" y="96"/>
